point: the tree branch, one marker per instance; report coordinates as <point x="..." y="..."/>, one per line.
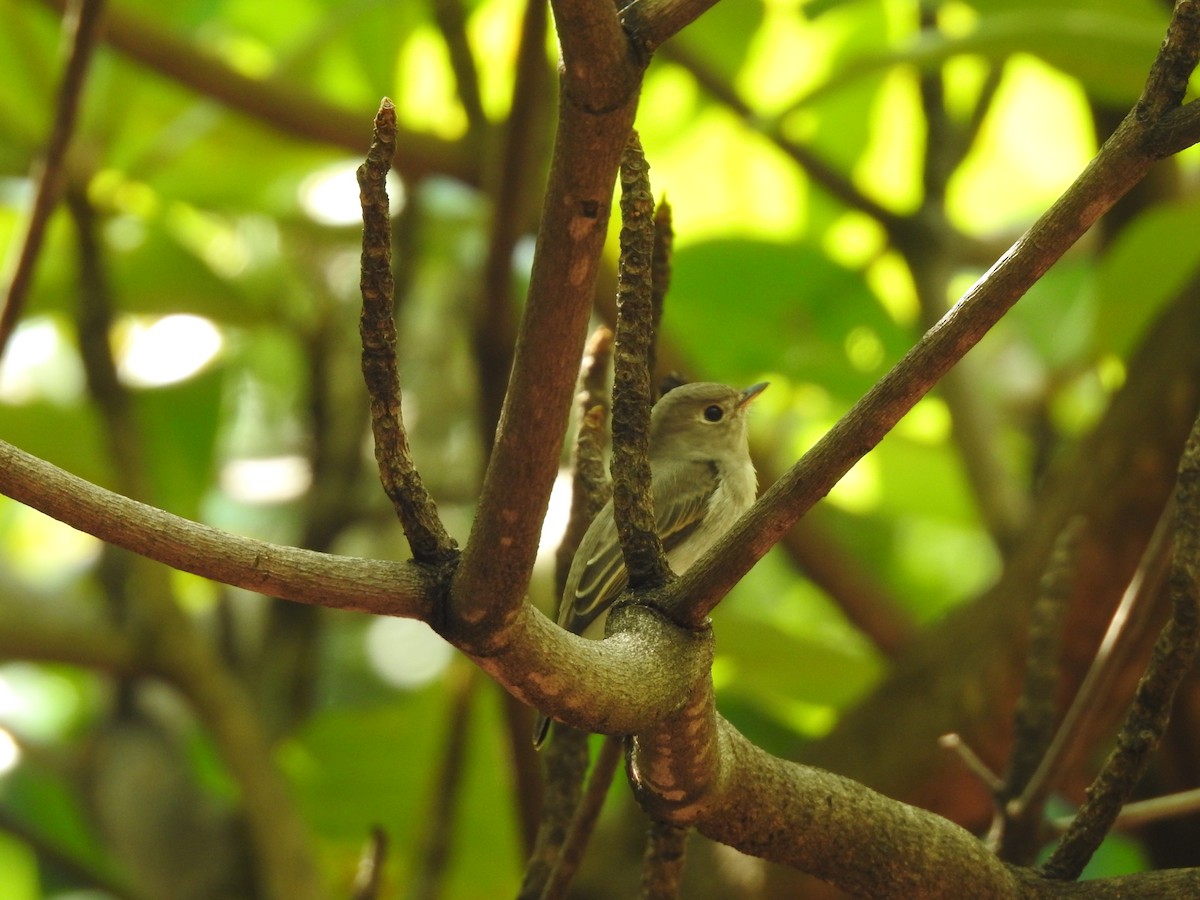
<point x="1147" y="718"/>
<point x="339" y="582"/>
<point x="81" y="24"/>
<point x="633" y="505"/>
<point x="651" y="22"/>
<point x="1037" y="709"/>
<point x="1120" y="164"/>
<point x="416" y="510"/>
<point x="275" y="102"/>
<point x="596" y="107"/>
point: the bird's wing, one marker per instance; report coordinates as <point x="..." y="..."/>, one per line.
<point x="598" y="571"/>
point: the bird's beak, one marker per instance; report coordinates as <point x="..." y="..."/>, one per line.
<point x="750" y="393"/>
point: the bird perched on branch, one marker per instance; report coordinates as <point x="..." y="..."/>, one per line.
<point x="702" y="480"/>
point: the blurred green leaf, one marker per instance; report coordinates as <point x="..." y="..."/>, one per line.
<point x="797" y="308"/>
<point x="1164" y="241"/>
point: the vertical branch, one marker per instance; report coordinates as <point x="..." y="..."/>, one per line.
<point x="600" y="82"/>
<point x="452" y="21"/>
<point x="662" y="866"/>
<point x="81" y="25"/>
<point x="566" y="768"/>
<point x="1147" y="718"/>
<point x="513" y="187"/>
<point x="583" y="823"/>
<point x="1129" y="619"/>
<point x="1037" y="712"/>
<point x="632" y="504"/>
<point x="368" y="880"/>
<point x="433" y="852"/>
<point x="415" y="508"/>
<point x="590" y="488"/>
<point x="567" y="755"/>
<point x="660" y="277"/>
<point x="513" y="184"/>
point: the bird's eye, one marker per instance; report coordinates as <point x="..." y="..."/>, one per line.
<point x="714" y="413"/>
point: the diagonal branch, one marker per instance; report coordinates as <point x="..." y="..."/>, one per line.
<point x="81" y="23"/>
<point x="1147" y="718"/>
<point x="1120" y="164"/>
<point x="275" y="102"/>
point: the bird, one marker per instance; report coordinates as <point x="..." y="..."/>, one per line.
<point x="702" y="480"/>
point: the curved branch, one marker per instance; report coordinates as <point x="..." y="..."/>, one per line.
<point x="275" y="102"/>
<point x="305" y="576"/>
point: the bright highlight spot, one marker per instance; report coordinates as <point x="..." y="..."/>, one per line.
<point x="38" y="704"/>
<point x="39" y="365"/>
<point x="860" y="490"/>
<point x="864" y="349"/>
<point x="166" y="350"/>
<point x="554" y="526"/>
<point x="275" y="479"/>
<point x="10" y="753"/>
<point x="329" y="196"/>
<point x="406" y="653"/>
<point x="42" y="551"/>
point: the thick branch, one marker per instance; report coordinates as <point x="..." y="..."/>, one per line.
<point x="596" y="109"/>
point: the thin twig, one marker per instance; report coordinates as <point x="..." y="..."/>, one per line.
<point x="1131" y="610"/>
<point x="566" y="769"/>
<point x="368" y="880"/>
<point x="660" y="277"/>
<point x="452" y="21"/>
<point x="590" y="487"/>
<point x="632" y="506"/>
<point x="956" y="745"/>
<point x="277" y="102"/>
<point x="433" y="855"/>
<point x="662" y="865"/>
<point x="416" y="510"/>
<point x="81" y="25"/>
<point x="1144" y="812"/>
<point x="583" y="822"/>
<point x="1037" y="708"/>
<point x="1148" y="716"/>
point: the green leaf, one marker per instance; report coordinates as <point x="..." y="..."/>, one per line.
<point x="746" y="307"/>
<point x="1163" y="242"/>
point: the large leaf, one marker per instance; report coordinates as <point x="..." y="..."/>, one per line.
<point x="746" y="307"/>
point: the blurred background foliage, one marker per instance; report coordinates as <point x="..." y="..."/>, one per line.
<point x="826" y="210"/>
